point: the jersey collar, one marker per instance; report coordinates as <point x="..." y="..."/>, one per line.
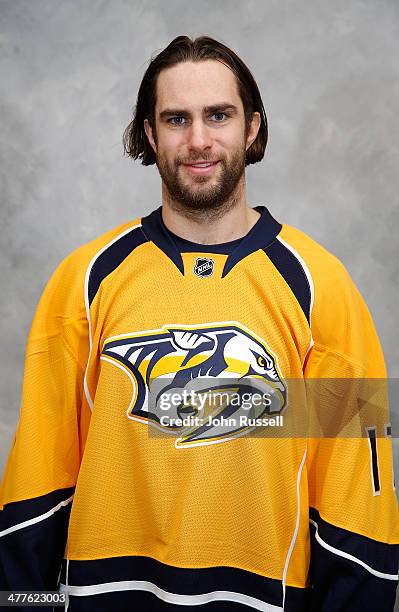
<point x="260" y="236"/>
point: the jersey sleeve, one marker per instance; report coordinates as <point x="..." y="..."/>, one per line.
<point x="353" y="514"/>
<point x="43" y="463"/>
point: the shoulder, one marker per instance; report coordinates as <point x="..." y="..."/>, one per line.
<point x="64" y="295"/>
<point x="76" y="263"/>
<point x="332" y="287"/>
<point x="341" y="322"/>
<point x="323" y="267"/>
<point x="83" y="255"/>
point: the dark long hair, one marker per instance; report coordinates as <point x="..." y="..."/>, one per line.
<point x="184" y="49"/>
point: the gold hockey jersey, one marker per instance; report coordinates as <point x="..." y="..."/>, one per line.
<point x="126" y="501"/>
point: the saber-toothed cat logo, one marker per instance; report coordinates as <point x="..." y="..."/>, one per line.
<point x="193" y="361"/>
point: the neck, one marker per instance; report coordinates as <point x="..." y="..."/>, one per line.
<point x="232" y="220"/>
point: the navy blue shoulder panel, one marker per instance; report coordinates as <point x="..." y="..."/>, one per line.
<point x="293" y="273"/>
<point x="344" y="583"/>
<point x="112" y="257"/>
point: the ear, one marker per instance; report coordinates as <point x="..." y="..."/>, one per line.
<point x="149" y="134"/>
<point x="253" y="129"/>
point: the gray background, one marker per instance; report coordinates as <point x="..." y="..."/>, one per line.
<point x="70" y="70"/>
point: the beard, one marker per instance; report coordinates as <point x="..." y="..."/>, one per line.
<point x="202" y="194"/>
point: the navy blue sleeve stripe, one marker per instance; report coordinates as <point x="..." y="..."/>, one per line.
<point x="349" y="571"/>
<point x="293" y="272"/>
<point x="378" y="558"/>
<point x="15" y="514"/>
<point x="31" y="554"/>
<point x="113" y="255"/>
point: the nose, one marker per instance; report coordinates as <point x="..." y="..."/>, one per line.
<point x="199" y="136"/>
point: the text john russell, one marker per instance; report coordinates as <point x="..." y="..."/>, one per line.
<point x="220" y="421"/>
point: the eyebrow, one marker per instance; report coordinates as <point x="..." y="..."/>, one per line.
<point x="223" y="106"/>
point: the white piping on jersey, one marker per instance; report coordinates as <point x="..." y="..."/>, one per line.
<point x="346" y="555"/>
<point x="36" y="519"/>
<point x="311" y="287"/>
<point x="182" y="600"/>
<point x="293" y="540"/>
<point x="87" y="305"/>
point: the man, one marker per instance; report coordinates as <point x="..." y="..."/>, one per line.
<point x="146" y="510"/>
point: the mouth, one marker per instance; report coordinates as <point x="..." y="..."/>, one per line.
<point x="201" y="167"/>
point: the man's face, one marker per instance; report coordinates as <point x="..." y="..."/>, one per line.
<point x="199" y="117"/>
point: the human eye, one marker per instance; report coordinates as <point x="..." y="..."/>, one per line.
<point x="220" y="114"/>
<point x="176" y="120"/>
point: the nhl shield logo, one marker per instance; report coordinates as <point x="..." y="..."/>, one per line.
<point x="203" y="267"/>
